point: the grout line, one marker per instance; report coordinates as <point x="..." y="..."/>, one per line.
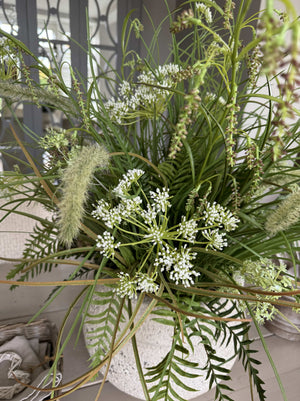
<point x="264" y="336"/>
<point x="43" y="315"/>
<point x="90" y="384"/>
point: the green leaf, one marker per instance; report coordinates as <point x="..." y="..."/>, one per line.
<point x="166" y="322"/>
<point x="184" y="373"/>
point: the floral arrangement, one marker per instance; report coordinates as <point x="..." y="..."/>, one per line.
<point x="182" y="186"/>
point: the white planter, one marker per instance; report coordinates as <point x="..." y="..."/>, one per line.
<point x="154" y="341"/>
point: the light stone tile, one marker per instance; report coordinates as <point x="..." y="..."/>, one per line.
<point x="26" y="301"/>
<point x="285" y="354"/>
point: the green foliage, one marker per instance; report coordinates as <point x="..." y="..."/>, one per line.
<point x="105" y="322"/>
<point x="13" y="92"/>
<point x="209" y="135"/>
<point x="170" y="372"/>
<point x="41" y="243"/>
<point x="238" y="334"/>
<point x="175" y="367"/>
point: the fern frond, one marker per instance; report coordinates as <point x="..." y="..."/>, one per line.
<point x="168" y="378"/>
<point x="238" y="334"/>
<point x="216" y="372"/>
<point x="101" y="324"/>
<point x="42" y="242"/>
<point x="245" y="354"/>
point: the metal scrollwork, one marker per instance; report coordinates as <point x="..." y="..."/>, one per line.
<point x="54" y="37"/>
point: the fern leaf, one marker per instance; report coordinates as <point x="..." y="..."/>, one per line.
<point x="101" y="325"/>
<point x="169" y="376"/>
<point x="238" y="334"/>
<point x="42" y="242"/>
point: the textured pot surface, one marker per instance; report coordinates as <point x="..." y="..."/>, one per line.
<point x="153" y="342"/>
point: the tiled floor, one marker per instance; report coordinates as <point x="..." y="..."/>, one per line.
<point x="286" y="355"/>
<point x="20" y="303"/>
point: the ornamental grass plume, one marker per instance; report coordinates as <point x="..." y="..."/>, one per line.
<point x="287" y="214"/>
<point x="15" y="92"/>
<point x="76" y="180"/>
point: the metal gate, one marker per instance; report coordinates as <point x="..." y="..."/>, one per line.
<point x="62" y="26"/>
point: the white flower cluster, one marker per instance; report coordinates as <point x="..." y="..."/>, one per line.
<point x="162" y="76"/>
<point x="155" y="235"/>
<point x="141" y="282"/>
<point x="129" y="207"/>
<point x="145" y="283"/>
<point x="106" y="244"/>
<point x="124" y="89"/>
<point x="116" y="110"/>
<point x="151" y="230"/>
<point x="126" y="286"/>
<point x="149" y="93"/>
<point x="217" y="215"/>
<point x="160" y="199"/>
<point x="110" y="216"/>
<point x="215" y="238"/>
<point x="128" y="179"/>
<point x="188" y="229"/>
<point x="178" y="262"/>
<point x="148" y="215"/>
<point x="203" y="9"/>
<point x="212" y="97"/>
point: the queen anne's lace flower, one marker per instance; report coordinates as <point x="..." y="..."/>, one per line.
<point x="125" y="89"/>
<point x="178" y="262"/>
<point x="145" y="283"/>
<point x="217" y="215"/>
<point x="106" y="244"/>
<point x="188" y="229"/>
<point x="116" y="110"/>
<point x="126" y="286"/>
<point x="128" y="179"/>
<point x="110" y="216"/>
<point x="151" y="225"/>
<point x="149" y="94"/>
<point x="114" y="216"/>
<point x="160" y="198"/>
<point x="183" y="268"/>
<point x="165" y="258"/>
<point x="129" y="206"/>
<point x="215" y="238"/>
<point x="203" y="9"/>
<point x="148" y="215"/>
<point x="212" y="97"/>
<point x="155" y="235"/>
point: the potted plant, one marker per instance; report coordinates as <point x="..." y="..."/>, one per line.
<point x="179" y="190"/>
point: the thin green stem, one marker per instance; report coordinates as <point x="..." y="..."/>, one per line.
<point x="264" y="344"/>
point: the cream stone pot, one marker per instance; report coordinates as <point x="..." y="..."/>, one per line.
<point x="153" y="341"/>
